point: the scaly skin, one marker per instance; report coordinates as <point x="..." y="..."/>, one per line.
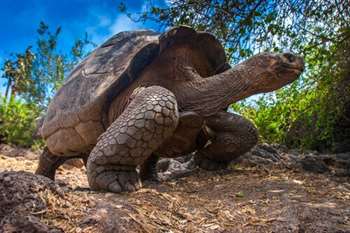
<point x="151" y="116"/>
<point x="184" y="139"/>
<point x="232" y="136"/>
<point x="149" y="119"/>
<point x="182" y="142"/>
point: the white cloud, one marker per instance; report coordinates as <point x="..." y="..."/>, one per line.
<point x="169" y="2"/>
<point x="123" y="23"/>
<point x="103" y="26"/>
<point x="103" y="21"/>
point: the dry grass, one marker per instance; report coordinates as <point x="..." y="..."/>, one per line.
<point x="241" y="200"/>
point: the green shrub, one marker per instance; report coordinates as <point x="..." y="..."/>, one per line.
<point x="17" y="122"/>
<point x="313" y="112"/>
<point x="297" y="118"/>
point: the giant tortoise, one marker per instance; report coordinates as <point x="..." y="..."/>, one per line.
<point x="141" y="96"/>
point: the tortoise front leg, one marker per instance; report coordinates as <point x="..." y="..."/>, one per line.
<point x="149" y="119"/>
<point x="232" y="136"/>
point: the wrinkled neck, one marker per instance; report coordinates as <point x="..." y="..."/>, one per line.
<point x="208" y="96"/>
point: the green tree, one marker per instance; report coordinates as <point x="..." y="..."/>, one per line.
<point x="245" y="27"/>
<point x="304" y="114"/>
<point x="36" y="74"/>
<point x="32" y="78"/>
<point x="18" y="74"/>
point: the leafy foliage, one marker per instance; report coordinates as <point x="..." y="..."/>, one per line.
<point x="308" y="117"/>
<point x="32" y="78"/>
<point x="309" y="113"/>
<point x="304" y="114"/>
<point x="36" y="74"/>
<point x="17" y="121"/>
<point x="247" y="27"/>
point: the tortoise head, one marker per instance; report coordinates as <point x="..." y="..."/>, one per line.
<point x="274" y="70"/>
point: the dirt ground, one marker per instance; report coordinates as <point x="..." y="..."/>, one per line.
<point x="240" y="199"/>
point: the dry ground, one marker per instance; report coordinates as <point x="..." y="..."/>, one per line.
<point x="242" y="199"/>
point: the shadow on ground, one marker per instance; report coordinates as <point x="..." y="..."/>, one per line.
<point x="244" y="198"/>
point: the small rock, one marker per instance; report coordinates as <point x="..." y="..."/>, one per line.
<point x="78" y="163"/>
<point x="163" y="165"/>
<point x="28" y="163"/>
<point x="268" y="148"/>
<point x="312" y="164"/>
<point x="7" y="179"/>
<point x="108" y="195"/>
<point x="24" y="192"/>
<point x="31" y="156"/>
<point x="343" y="156"/>
<point x="26" y="223"/>
<point x="342" y="172"/>
<point x="172" y="168"/>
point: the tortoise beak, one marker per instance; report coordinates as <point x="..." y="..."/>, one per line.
<point x="292" y="62"/>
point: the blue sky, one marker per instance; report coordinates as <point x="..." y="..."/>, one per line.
<point x="19" y="20"/>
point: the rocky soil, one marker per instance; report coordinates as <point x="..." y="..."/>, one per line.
<point x="270" y="189"/>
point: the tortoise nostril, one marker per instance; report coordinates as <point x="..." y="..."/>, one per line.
<point x="290" y="57"/>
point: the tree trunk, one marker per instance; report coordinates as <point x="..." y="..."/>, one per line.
<point x="8" y="86"/>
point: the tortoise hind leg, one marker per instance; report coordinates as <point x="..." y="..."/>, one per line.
<point x="183" y="141"/>
<point x="232" y="136"/>
<point x="148" y="170"/>
<point x="148" y="120"/>
<point x="48" y="163"/>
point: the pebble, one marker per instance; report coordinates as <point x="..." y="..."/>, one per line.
<point x="108" y="195"/>
<point x="30" y="155"/>
<point x="7" y="179"/>
<point x="28" y="163"/>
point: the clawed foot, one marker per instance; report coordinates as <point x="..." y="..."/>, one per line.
<point x="150" y="177"/>
<point x="117" y="181"/>
<point x="210" y="165"/>
<point x="148" y="170"/>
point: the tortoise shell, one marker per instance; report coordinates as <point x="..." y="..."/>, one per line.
<point x="75" y="115"/>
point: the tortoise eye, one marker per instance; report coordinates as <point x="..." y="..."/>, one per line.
<point x="290" y="57"/>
